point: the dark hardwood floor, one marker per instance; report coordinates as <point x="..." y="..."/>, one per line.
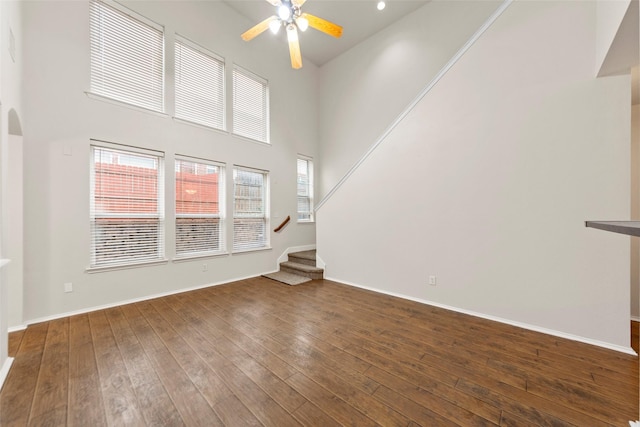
<point x="257" y="352"/>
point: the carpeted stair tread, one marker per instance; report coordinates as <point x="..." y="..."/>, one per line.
<point x="310" y="271"/>
<point x="301" y="267"/>
<point x="304" y="257"/>
<point x="287" y="278"/>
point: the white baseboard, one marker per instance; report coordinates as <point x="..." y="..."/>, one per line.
<point x="17" y="328"/>
<point x="621" y="349"/>
<point x="134" y="300"/>
<point x="4" y="371"/>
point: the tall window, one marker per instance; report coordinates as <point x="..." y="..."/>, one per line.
<point x="199" y="208"/>
<point x="127" y="205"/>
<point x="127" y="56"/>
<point x="250" y="222"/>
<point x="250" y="105"/>
<point x="305" y="189"/>
<point x="199" y="85"/>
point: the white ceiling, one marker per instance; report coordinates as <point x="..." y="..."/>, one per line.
<point x="359" y="18"/>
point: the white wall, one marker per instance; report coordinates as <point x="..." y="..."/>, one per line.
<point x="60" y="119"/>
<point x="609" y="17"/>
<point x="487" y="183"/>
<point x="365" y="89"/>
<point x="10" y="116"/>
<point x="14" y="233"/>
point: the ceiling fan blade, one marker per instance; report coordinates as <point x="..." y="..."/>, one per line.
<point x="323" y="25"/>
<point x="297" y="2"/>
<point x="294" y="47"/>
<point x="257" y="29"/>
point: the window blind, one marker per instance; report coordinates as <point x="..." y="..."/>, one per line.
<point x="127" y="204"/>
<point x="199" y="83"/>
<point x="127" y="56"/>
<point x="250" y="209"/>
<point x="250" y="105"/>
<point x="305" y="190"/>
<point x="199" y="208"/>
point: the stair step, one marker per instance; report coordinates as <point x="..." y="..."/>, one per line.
<point x="304" y="257"/>
<point x="310" y="271"/>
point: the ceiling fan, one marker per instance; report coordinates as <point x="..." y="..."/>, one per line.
<point x="289" y="16"/>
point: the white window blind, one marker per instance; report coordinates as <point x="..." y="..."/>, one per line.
<point x="305" y="190"/>
<point x="199" y="85"/>
<point x="250" y="222"/>
<point x="250" y="105"/>
<point x="127" y="205"/>
<point x="199" y="208"/>
<point x="127" y="56"/>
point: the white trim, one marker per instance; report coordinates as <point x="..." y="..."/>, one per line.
<point x="289" y="250"/>
<point x="132" y="14"/>
<point x="4" y="372"/>
<point x="251" y="250"/>
<point x="320" y="262"/>
<point x="252" y="140"/>
<point x="135" y="300"/>
<point x="16" y="328"/>
<point x="200" y="125"/>
<point x="415" y="102"/>
<point x="197" y="47"/>
<point x="125" y="148"/>
<point x="104" y="98"/>
<point x="185" y="258"/>
<point x="115" y="267"/>
<point x="635" y="318"/>
<point x="609" y="346"/>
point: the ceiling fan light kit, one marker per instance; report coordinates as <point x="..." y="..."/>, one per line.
<point x="289" y="15"/>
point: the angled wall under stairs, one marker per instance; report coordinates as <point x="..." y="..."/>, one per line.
<point x="487" y="182"/>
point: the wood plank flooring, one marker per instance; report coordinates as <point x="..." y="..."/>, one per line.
<point x="261" y="353"/>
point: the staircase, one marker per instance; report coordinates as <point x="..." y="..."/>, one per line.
<point x="300" y="268"/>
<point x="302" y="264"/>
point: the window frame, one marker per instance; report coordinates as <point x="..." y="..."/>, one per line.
<point x="242" y="133"/>
<point x="310" y="189"/>
<point x="221" y="216"/>
<point x="182" y="42"/>
<point x="265" y="207"/>
<point x="101" y="83"/>
<point x="126" y="150"/>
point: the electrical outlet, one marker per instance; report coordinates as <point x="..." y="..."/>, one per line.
<point x="68" y="287"/>
<point x="205" y="267"/>
<point x="433" y="280"/>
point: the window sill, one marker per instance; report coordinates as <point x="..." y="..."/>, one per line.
<point x="200" y="125"/>
<point x="306" y="222"/>
<point x="246" y="251"/>
<point x="255" y="141"/>
<point x="186" y="258"/>
<point x="108" y="100"/>
<point x="102" y="269"/>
